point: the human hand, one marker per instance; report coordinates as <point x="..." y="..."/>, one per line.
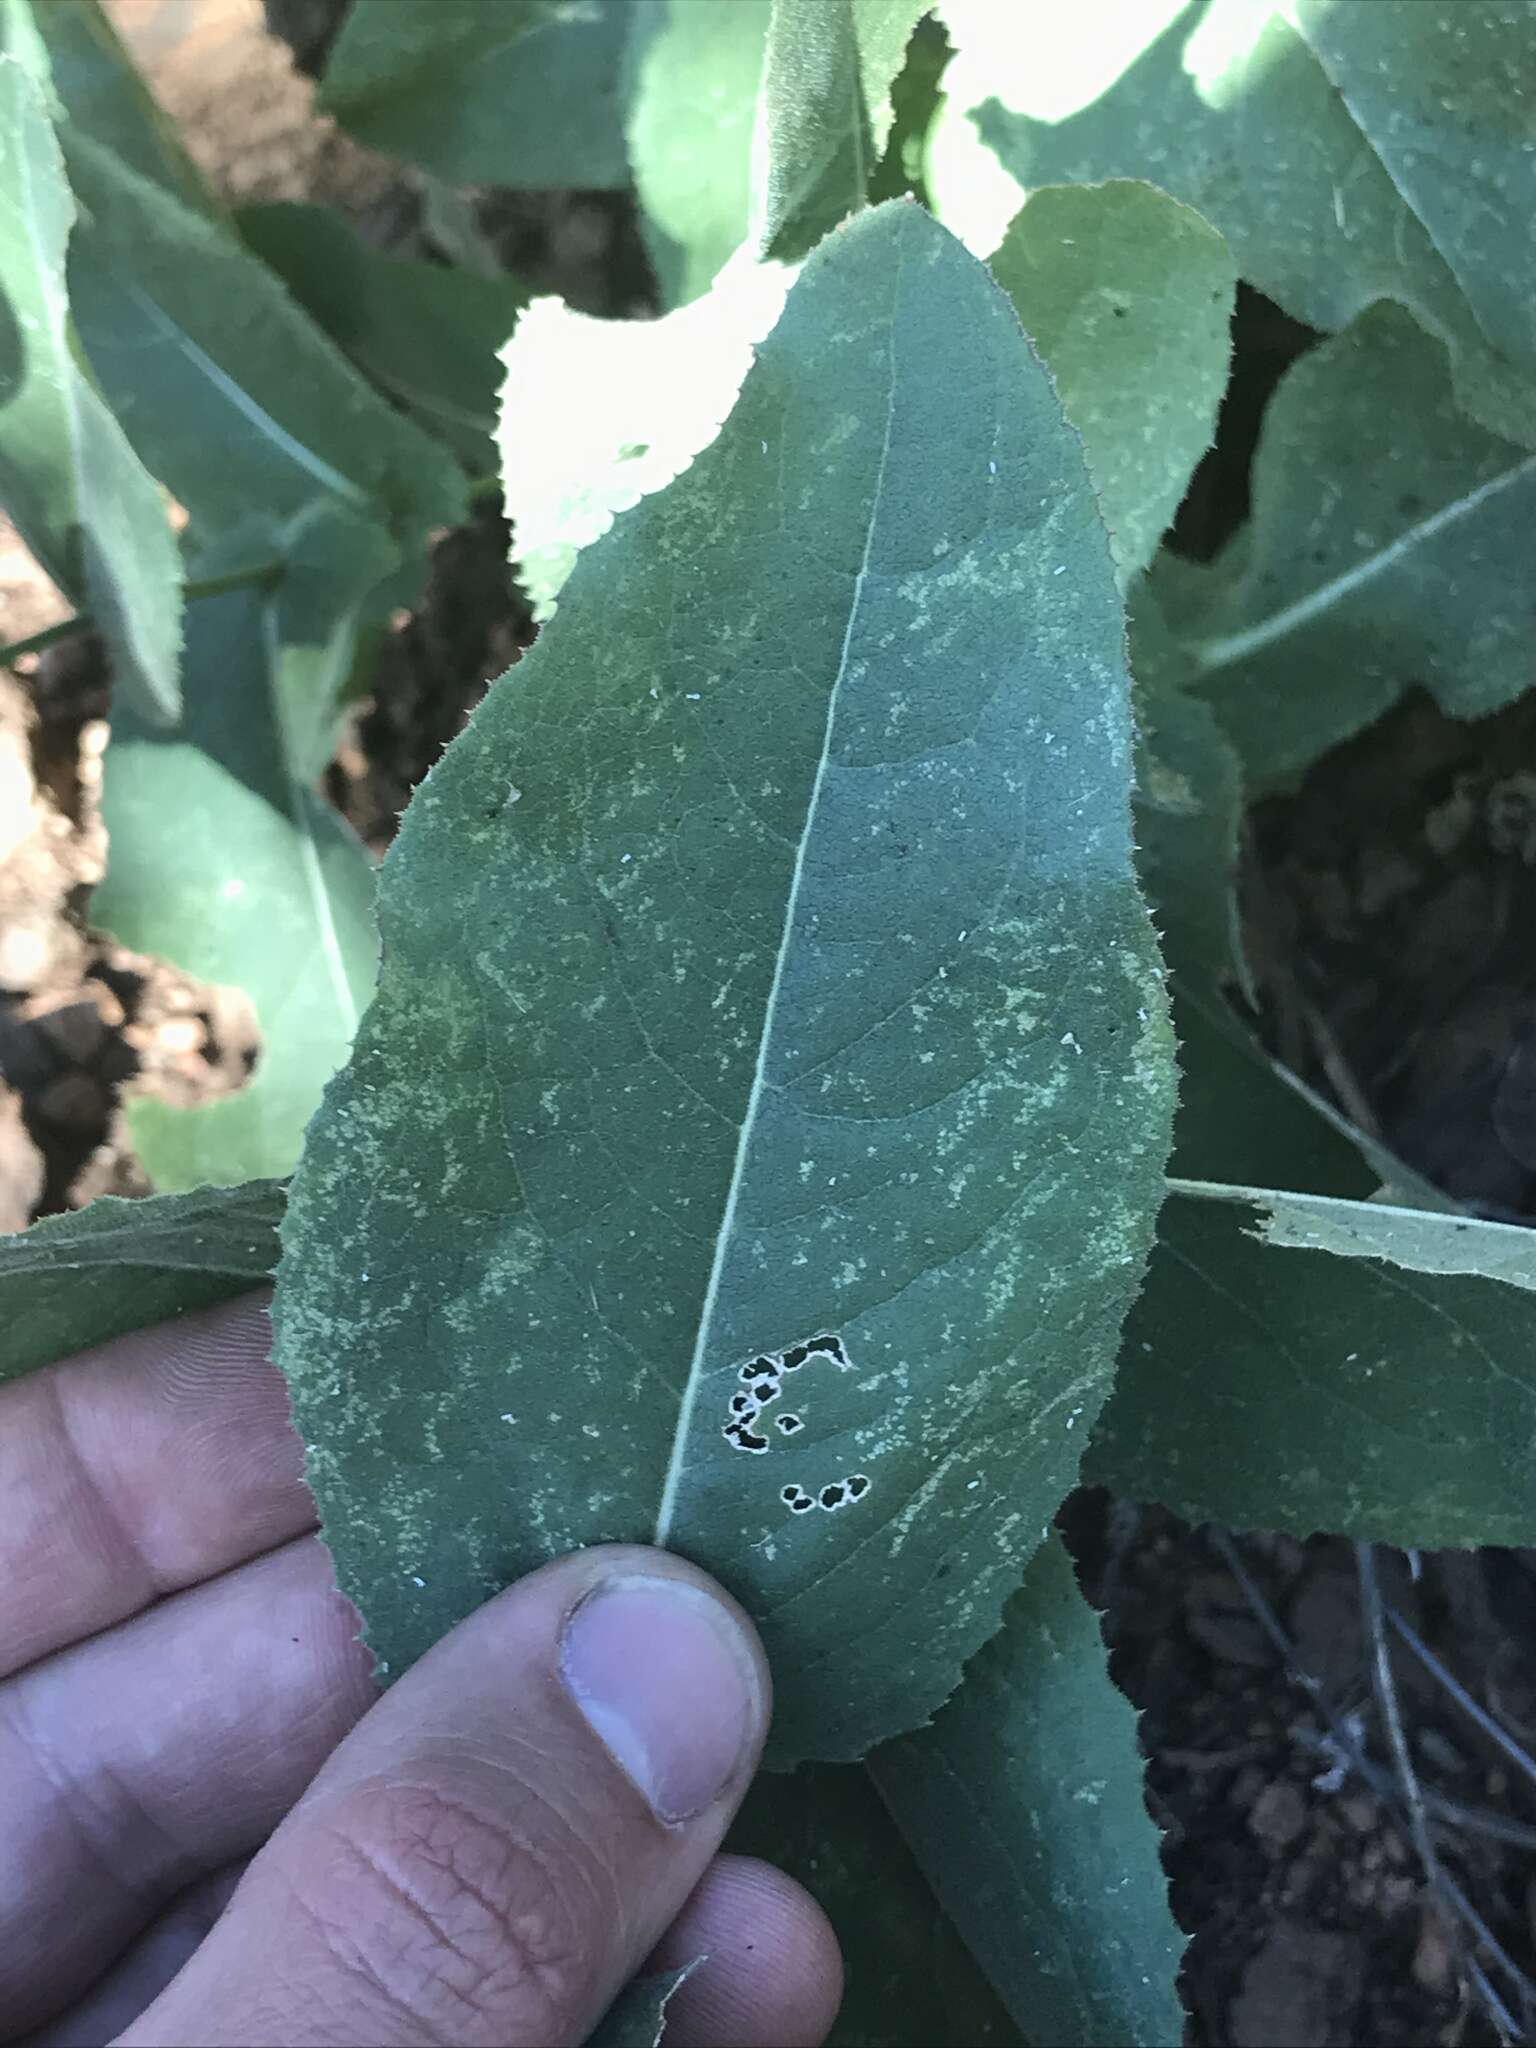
<point x="486" y="1855"/>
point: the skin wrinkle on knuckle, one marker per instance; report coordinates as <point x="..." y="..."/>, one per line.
<point x="452" y="1916"/>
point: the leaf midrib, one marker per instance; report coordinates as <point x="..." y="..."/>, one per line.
<point x="1223" y="649"/>
<point x="678" y="1459"/>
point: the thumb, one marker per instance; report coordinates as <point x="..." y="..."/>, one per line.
<point x="498" y="1845"/>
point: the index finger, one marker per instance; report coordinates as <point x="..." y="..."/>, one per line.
<point x="139" y="1468"/>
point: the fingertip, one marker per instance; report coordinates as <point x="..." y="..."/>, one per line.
<point x="772" y="1972"/>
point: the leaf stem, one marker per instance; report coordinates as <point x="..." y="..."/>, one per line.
<point x="257" y="574"/>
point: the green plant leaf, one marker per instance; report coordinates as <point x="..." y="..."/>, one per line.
<point x="1024" y="1805"/>
<point x="114" y="1266"/>
<point x="68" y="478"/>
<point x="1302" y="1363"/>
<point x="763" y="965"/>
<point x="638" y="2016"/>
<point x="1240" y="1115"/>
<point x="824" y="115"/>
<point x="1386" y="548"/>
<point x="527" y="92"/>
<point x="756" y="122"/>
<point x="908" y="1979"/>
<point x="1446" y="96"/>
<point x="228" y="391"/>
<point x="103" y="94"/>
<point x="596" y="414"/>
<point x="694" y="71"/>
<point x="1227" y="108"/>
<point x="278" y="900"/>
<point x="1128" y="296"/>
<point x="422" y="334"/>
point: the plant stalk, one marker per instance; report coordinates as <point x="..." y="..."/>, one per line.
<point x="257" y="574"/>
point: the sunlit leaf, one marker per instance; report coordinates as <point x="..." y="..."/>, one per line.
<point x="824" y="114"/>
<point x="596" y="414"/>
<point x="1227" y="108"/>
<point x="1128" y="296"/>
<point x="1024" y="1804"/>
<point x="769" y="1029"/>
<point x="695" y="70"/>
<point x="69" y="481"/>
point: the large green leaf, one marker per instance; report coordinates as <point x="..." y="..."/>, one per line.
<point x="114" y="1266"/>
<point x="1446" y="95"/>
<point x="596" y="414"/>
<point x="102" y="93"/>
<point x="228" y="391"/>
<point x="1228" y="109"/>
<point x="824" y="114"/>
<point x="908" y="1979"/>
<point x="1387" y="548"/>
<point x="694" y="71"/>
<point x="525" y="92"/>
<point x="225" y="861"/>
<point x="1303" y="1363"/>
<point x="756" y="122"/>
<point x="425" y="335"/>
<point x="769" y="1027"/>
<point x="1128" y="296"/>
<point x="68" y="478"/>
<point x="1024" y="1804"/>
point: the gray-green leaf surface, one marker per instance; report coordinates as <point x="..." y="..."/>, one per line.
<point x="423" y="334"/>
<point x="230" y="393"/>
<point x="1024" y="1804"/>
<point x="114" y="1266"/>
<point x="279" y="901"/>
<point x="1228" y="109"/>
<point x="1128" y="296"/>
<point x="753" y="1144"/>
<point x="756" y="123"/>
<point x="525" y="92"/>
<point x="1123" y="291"/>
<point x="1446" y="95"/>
<point x="694" y="69"/>
<point x="103" y="93"/>
<point x="823" y="114"/>
<point x="69" y="480"/>
<point x="1387" y="547"/>
<point x="908" y="1979"/>
<point x="1302" y="1363"/>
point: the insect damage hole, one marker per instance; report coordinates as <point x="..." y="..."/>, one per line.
<point x="758" y="1383"/>
<point x="839" y="1493"/>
